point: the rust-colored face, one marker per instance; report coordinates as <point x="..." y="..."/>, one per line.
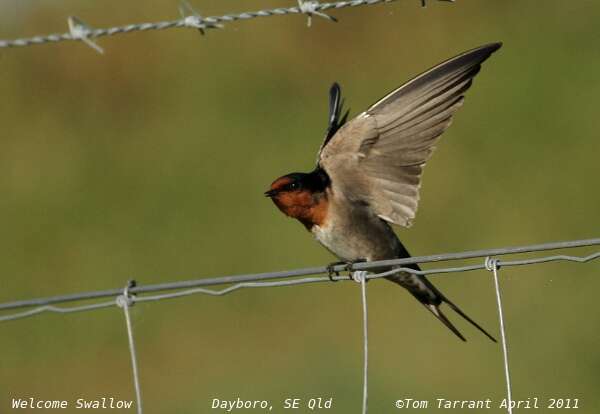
<point x="296" y="199"/>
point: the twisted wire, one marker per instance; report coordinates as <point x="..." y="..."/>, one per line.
<point x="195" y="21"/>
<point x="289" y="278"/>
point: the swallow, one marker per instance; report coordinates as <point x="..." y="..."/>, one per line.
<point x="368" y="173"/>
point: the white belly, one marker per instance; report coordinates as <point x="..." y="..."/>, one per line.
<point x="362" y="240"/>
<point x="353" y="232"/>
<point x="331" y="239"/>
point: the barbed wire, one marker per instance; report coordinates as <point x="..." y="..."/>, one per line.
<point x="125" y="298"/>
<point x="190" y="18"/>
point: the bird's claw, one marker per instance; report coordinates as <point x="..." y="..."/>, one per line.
<point x="348" y="267"/>
<point x="331" y="272"/>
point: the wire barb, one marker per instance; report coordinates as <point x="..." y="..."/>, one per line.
<point x="125" y="301"/>
<point x="493" y="265"/>
<point x="191" y="18"/>
<point x="79" y="30"/>
<point x="310" y="7"/>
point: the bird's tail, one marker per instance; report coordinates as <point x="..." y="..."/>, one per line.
<point x="426" y="293"/>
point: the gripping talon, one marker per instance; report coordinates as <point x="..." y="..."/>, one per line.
<point x="331" y="272"/>
<point x="350" y="267"/>
<point x="347" y="267"/>
<point x="351" y="263"/>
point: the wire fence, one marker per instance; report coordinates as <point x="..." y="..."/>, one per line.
<point x="191" y="19"/>
<point x="127" y="297"/>
<point x="132" y="293"/>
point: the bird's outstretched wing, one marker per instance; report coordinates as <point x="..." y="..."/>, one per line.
<point x="378" y="157"/>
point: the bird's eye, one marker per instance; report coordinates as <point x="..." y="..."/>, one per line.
<point x="294" y="186"/>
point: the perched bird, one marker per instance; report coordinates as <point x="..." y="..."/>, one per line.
<point x="368" y="172"/>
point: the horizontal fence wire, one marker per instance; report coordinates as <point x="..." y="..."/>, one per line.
<point x="80" y="31"/>
<point x="291" y="278"/>
<point x="358" y="273"/>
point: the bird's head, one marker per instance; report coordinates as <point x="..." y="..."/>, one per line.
<point x="298" y="194"/>
<point x="290" y="191"/>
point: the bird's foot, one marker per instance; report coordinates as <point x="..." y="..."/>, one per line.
<point x="348" y="267"/>
<point x="331" y="272"/>
<point x="351" y="263"/>
<point x="356" y="275"/>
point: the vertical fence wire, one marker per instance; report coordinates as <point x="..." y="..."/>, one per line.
<point x="125" y="301"/>
<point x="493" y="266"/>
<point x="361" y="277"/>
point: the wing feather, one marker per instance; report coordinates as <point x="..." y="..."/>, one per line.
<point x="378" y="157"/>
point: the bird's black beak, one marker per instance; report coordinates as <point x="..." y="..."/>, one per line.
<point x="270" y="193"/>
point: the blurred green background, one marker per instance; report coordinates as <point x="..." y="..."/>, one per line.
<point x="149" y="163"/>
